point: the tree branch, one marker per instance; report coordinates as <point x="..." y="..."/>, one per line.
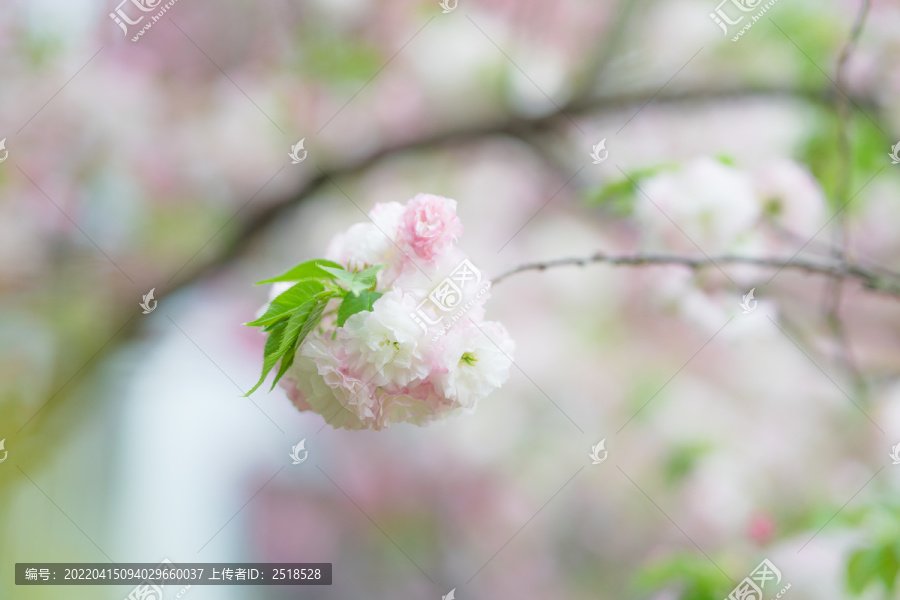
<point x="835" y="293"/>
<point x="869" y="279"/>
<point x="514" y="126"/>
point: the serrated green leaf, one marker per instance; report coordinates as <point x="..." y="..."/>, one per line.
<point x="340" y="273"/>
<point x="292" y="315"/>
<point x="286" y="361"/>
<point x="286" y="337"/>
<point x="270" y="354"/>
<point x="306" y="325"/>
<point x="298" y="327"/>
<point x="310" y="269"/>
<point x="298" y="319"/>
<point x="315" y="316"/>
<point x="368" y="277"/>
<point x="302" y="321"/>
<point x="356" y="282"/>
<point x="289" y="301"/>
<point x="354" y="304"/>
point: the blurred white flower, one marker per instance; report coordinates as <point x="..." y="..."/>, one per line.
<point x="711" y="310"/>
<point x="790" y="196"/>
<point x="710" y="202"/>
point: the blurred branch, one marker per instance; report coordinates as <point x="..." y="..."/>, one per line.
<point x="842" y="103"/>
<point x="869" y="279"/>
<point x="587" y="80"/>
<point x="607" y="46"/>
<point x="514" y="126"/>
<point x="835" y="293"/>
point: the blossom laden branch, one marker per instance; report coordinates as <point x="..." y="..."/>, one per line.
<point x="869" y="279"/>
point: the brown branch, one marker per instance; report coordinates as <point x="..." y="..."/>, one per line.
<point x="868" y="279"/>
<point x="835" y="292"/>
<point x="520" y="127"/>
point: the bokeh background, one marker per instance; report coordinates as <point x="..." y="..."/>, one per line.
<point x="164" y="164"/>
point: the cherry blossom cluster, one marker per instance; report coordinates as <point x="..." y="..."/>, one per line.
<point x="413" y="346"/>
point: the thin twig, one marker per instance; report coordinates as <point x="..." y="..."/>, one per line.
<point x="869" y="279"/>
<point x="835" y="291"/>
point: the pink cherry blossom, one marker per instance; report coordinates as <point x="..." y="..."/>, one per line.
<point x="429" y="225"/>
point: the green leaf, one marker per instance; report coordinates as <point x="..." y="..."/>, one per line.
<point x="310" y="269"/>
<point x="869" y="565"/>
<point x="682" y="461"/>
<point x="688" y="576"/>
<point x="356" y="282"/>
<point x="315" y="315"/>
<point x="286" y="361"/>
<point x="368" y="277"/>
<point x="293" y="314"/>
<point x="354" y="304"/>
<point x="870" y="147"/>
<point x="861" y="570"/>
<point x="334" y="58"/>
<point x="285" y="337"/>
<point x="618" y="196"/>
<point x="312" y="318"/>
<point x="888" y="567"/>
<point x="340" y="273"/>
<point x="310" y="311"/>
<point x="292" y="330"/>
<point x="270" y="354"/>
<point x="289" y="301"/>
